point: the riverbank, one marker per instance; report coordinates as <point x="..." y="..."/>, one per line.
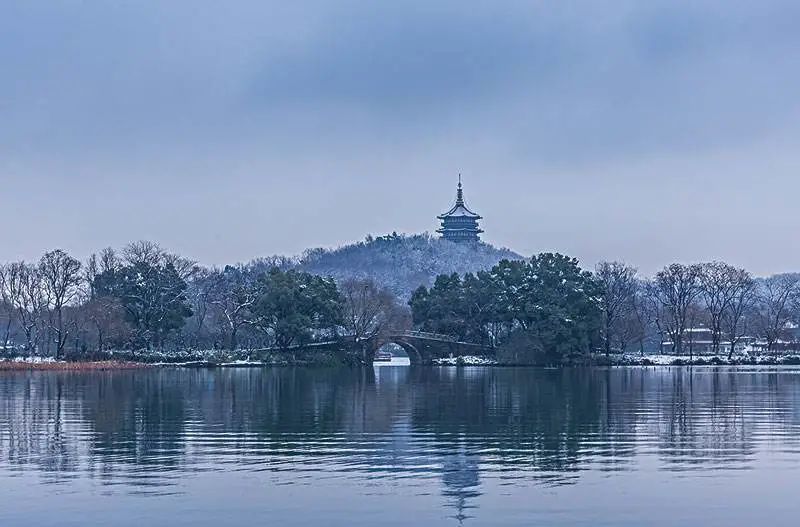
<point x="39" y="364"/>
<point x="217" y="359"/>
<point x="134" y="359"/>
<point x="703" y="360"/>
<point x="638" y="360"/>
<point x="35" y="364"/>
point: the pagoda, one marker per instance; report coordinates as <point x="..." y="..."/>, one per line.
<point x="460" y="224"/>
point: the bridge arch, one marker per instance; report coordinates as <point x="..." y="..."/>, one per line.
<point x="414" y="354"/>
<point x="423" y="348"/>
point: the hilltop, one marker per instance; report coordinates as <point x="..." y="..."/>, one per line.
<point x="402" y="263"/>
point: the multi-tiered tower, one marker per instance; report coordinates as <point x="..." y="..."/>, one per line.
<point x="460" y="224"/>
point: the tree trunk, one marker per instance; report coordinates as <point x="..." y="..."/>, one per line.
<point x="61" y="341"/>
<point x="7" y="336"/>
<point x="234" y="341"/>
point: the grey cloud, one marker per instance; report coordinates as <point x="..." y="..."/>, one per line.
<point x="273" y="126"/>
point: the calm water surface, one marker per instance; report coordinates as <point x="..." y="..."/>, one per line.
<point x="401" y="446"/>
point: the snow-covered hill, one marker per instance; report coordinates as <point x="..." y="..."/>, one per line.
<point x="402" y="262"/>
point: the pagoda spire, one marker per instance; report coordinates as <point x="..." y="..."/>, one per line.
<point x="460" y="193"/>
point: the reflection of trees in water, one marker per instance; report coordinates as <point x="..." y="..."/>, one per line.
<point x="41" y="436"/>
<point x="139" y="425"/>
<point x="530" y="419"/>
<point x="148" y="426"/>
<point x="703" y="418"/>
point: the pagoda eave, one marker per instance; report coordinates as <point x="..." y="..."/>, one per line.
<point x="447" y="215"/>
<point x="450" y="229"/>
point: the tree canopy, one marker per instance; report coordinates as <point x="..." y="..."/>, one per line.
<point x="547" y="301"/>
<point x="291" y="305"/>
<point x="153" y="296"/>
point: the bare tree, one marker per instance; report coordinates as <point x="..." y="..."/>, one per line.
<point x="199" y="295"/>
<point x="642" y="316"/>
<point x="185" y="267"/>
<point x="743" y="296"/>
<point x="143" y="252"/>
<point x="106" y="316"/>
<point x="675" y="288"/>
<point x="618" y="288"/>
<point x="631" y="326"/>
<point x="654" y="311"/>
<point x="61" y="277"/>
<point x="777" y="298"/>
<point x="265" y="263"/>
<point x="233" y="293"/>
<point x="151" y="253"/>
<point x="77" y="324"/>
<point x="719" y="285"/>
<point x="696" y="316"/>
<point x="24" y="292"/>
<point x="368" y="309"/>
<point x="6" y="304"/>
<point x="109" y="260"/>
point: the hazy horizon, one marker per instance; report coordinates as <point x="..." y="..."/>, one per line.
<point x="645" y="133"/>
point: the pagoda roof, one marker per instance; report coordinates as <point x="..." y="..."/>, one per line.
<point x="460" y="208"/>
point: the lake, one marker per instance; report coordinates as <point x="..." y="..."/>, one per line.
<point x="399" y="445"/>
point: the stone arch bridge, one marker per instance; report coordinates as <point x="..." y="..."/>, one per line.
<point x="423" y="347"/>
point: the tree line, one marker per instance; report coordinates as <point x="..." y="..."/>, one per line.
<point x="144" y="297"/>
<point x="548" y="307"/>
<point x="543" y="308"/>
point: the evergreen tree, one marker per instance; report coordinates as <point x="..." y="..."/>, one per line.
<point x="442" y="309"/>
<point x="291" y="305"/>
<point x="153" y="296"/>
<point x="556" y="303"/>
<point x="548" y="304"/>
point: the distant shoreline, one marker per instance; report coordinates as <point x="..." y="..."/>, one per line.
<point x="599" y="361"/>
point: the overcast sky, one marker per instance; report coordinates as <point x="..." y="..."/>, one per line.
<point x="651" y="132"/>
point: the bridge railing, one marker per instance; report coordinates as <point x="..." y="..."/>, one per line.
<point x="427" y="335"/>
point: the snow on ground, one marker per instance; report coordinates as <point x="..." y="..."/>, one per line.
<point x="678" y="360"/>
<point x="465" y="361"/>
<point x="242" y="363"/>
<point x="201" y="359"/>
<point x="32" y="360"/>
